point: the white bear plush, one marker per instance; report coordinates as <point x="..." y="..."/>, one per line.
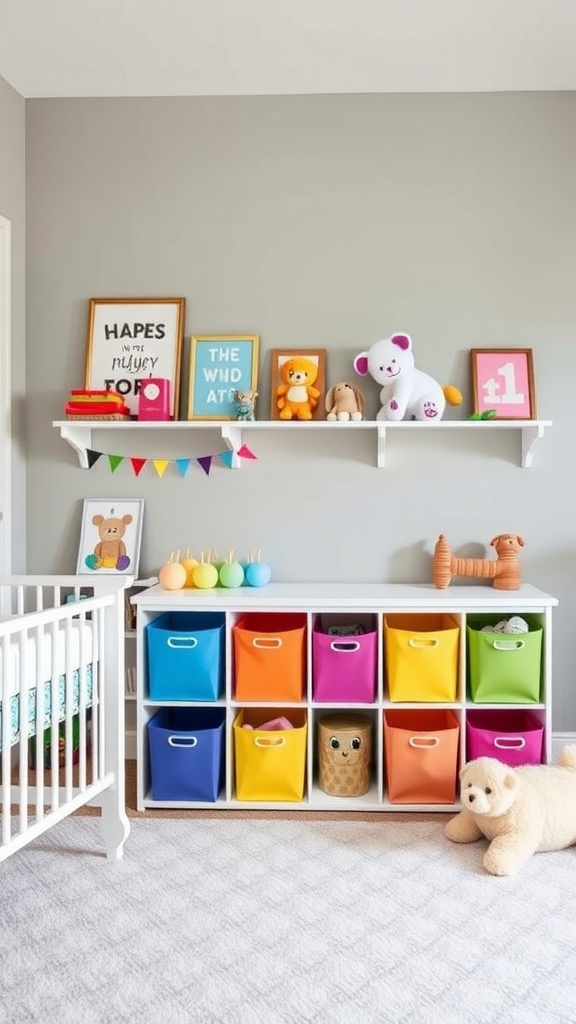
<point x="407" y="393"/>
<point x="520" y="810"/>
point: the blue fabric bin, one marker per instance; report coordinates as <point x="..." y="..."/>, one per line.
<point x="187" y="753"/>
<point x="186" y="656"/>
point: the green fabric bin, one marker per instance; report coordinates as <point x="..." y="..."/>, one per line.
<point x="504" y="668"/>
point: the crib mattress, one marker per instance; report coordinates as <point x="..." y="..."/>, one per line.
<point x="39" y="654"/>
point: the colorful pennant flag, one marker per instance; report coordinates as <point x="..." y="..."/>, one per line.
<point x="115" y="461"/>
<point x="138" y="465"/>
<point x="160" y="466"/>
<point x="205" y="461"/>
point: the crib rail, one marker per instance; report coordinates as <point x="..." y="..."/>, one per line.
<point x="61" y="704"/>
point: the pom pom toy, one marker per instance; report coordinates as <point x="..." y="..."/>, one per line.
<point x="504" y="570"/>
<point x="172" y="576"/>
<point x="407" y="393"/>
<point x="344" y="402"/>
<point x="257" y="573"/>
<point x="521" y="811"/>
<point x="189" y="564"/>
<point x="231" y="573"/>
<point x="205" y="574"/>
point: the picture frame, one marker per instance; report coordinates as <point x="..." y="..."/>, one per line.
<point x="279" y="356"/>
<point x="503" y="383"/>
<point x="130" y="340"/>
<point x="110" y="537"/>
<point x="220" y="364"/>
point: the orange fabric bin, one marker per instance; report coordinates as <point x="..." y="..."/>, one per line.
<point x="421" y="750"/>
<point x="270" y="657"/>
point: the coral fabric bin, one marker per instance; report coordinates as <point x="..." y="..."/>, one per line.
<point x="503" y="668"/>
<point x="514" y="737"/>
<point x="270" y="765"/>
<point x="421" y="657"/>
<point x="421" y="751"/>
<point x="344" y="667"/>
<point x="270" y="657"/>
<point x="186" y="656"/>
<point x="186" y="747"/>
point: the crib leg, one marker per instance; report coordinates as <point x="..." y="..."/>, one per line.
<point x="115" y="824"/>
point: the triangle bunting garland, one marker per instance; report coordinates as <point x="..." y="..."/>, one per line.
<point x="228" y="458"/>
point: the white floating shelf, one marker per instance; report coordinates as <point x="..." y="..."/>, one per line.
<point x="78" y="433"/>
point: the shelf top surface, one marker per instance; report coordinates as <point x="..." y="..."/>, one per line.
<point x="299" y="425"/>
<point x="349" y="596"/>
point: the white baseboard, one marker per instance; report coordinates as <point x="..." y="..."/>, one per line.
<point x="561" y="739"/>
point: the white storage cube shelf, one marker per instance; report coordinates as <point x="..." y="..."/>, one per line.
<point x="351" y="602"/>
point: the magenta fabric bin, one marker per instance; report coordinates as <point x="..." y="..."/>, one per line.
<point x="344" y="667"/>
<point x="514" y="737"/>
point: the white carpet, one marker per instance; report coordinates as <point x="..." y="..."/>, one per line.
<point x="233" y="921"/>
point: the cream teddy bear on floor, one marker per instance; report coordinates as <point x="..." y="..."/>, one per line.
<point x="520" y="810"/>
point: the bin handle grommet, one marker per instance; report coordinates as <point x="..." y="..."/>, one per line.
<point x="182" y="642"/>
<point x="426" y="742"/>
<point x="508" y="645"/>
<point x="510" y="742"/>
<point x="267" y="642"/>
<point x="269" y="741"/>
<point x="182" y="741"/>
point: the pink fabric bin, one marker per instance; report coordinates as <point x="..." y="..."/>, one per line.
<point x="344" y="667"/>
<point x="514" y="737"/>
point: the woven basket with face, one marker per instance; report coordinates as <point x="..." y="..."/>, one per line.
<point x="344" y="754"/>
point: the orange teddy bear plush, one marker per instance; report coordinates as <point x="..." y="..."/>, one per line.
<point x="296" y="398"/>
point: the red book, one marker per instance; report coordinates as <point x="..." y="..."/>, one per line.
<point x="95" y="409"/>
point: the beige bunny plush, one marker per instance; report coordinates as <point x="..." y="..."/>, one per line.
<point x="344" y="401"/>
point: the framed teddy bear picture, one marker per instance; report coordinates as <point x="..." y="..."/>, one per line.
<point x="297" y="384"/>
<point x="110" y="536"/>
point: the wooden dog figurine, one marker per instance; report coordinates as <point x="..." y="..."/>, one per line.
<point x="504" y="570"/>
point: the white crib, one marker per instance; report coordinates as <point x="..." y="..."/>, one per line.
<point x="61" y="705"/>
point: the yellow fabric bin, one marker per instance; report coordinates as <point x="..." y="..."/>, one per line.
<point x="270" y="764"/>
<point x="421" y="657"/>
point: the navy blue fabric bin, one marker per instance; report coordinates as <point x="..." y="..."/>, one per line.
<point x="186" y="748"/>
<point x="186" y="656"/>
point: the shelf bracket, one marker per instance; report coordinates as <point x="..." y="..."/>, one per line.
<point x="80" y="439"/>
<point x="232" y="435"/>
<point x="530" y="435"/>
<point x="381" y="440"/>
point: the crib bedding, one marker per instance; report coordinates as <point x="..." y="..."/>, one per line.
<point x="47" y="704"/>
<point x="71" y="647"/>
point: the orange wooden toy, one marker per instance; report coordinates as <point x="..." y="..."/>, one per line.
<point x="504" y="570"/>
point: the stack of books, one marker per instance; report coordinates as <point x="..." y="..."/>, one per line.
<point x="96" y="405"/>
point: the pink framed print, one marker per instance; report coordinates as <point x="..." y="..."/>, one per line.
<point x="503" y="383"/>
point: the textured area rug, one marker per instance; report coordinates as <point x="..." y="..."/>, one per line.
<point x="280" y="922"/>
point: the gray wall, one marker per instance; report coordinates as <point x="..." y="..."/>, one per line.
<point x="12" y="145"/>
<point x="317" y="221"/>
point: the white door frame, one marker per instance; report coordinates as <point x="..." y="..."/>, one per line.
<point x="5" y="398"/>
